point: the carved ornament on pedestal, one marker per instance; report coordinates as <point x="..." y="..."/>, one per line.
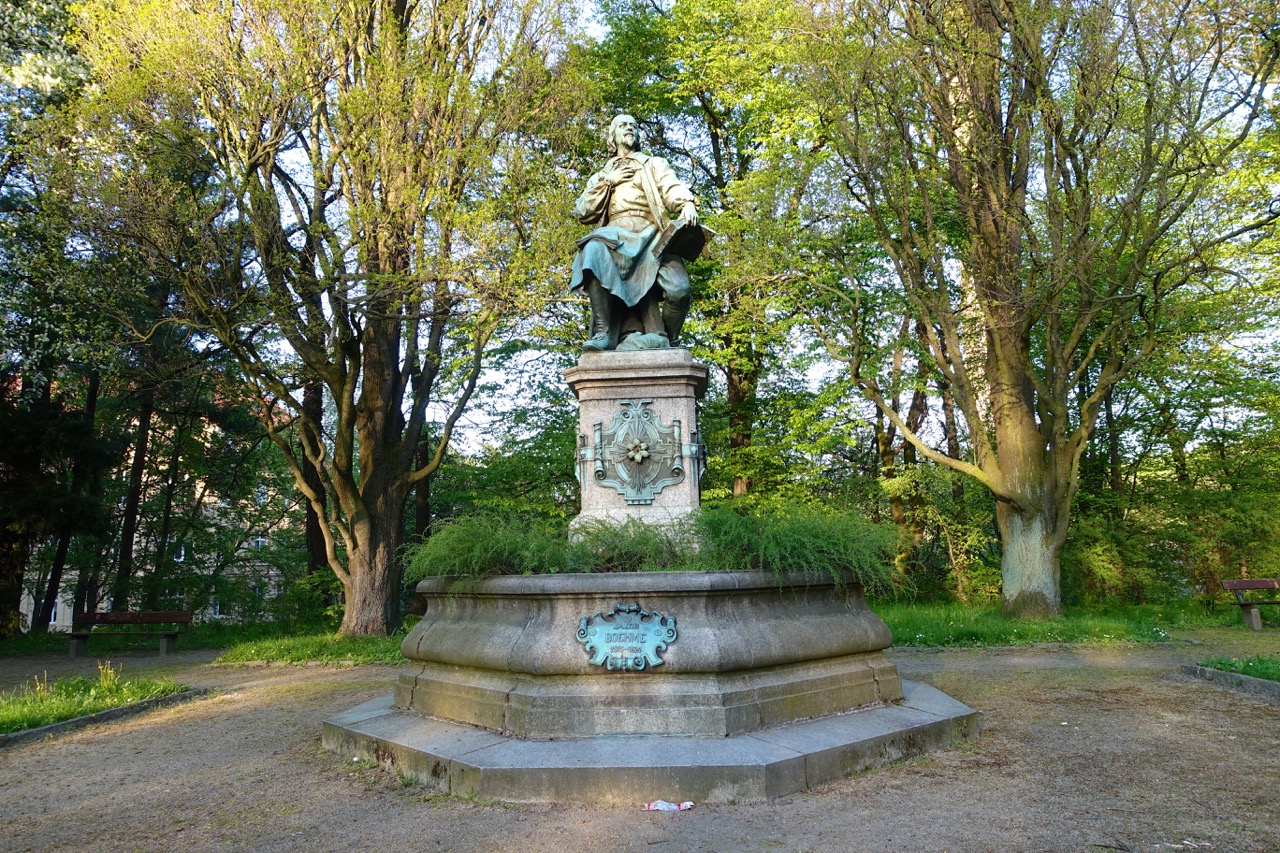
<point x="638" y="455"/>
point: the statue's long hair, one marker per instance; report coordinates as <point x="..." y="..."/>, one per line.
<point x="611" y="143"/>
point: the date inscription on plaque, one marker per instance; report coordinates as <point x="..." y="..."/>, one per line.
<point x="627" y="638"/>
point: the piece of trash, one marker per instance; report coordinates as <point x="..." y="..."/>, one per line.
<point x="664" y="806"/>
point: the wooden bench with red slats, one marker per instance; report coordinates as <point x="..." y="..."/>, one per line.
<point x="1249" y="609"/>
<point x="168" y="638"/>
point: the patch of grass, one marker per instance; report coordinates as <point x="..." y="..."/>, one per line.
<point x="41" y="703"/>
<point x="319" y="647"/>
<point x="203" y="635"/>
<point x="795" y="539"/>
<point x="954" y="624"/>
<point x="782" y="540"/>
<point x="1258" y="666"/>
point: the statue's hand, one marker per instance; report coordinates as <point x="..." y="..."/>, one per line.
<point x="689" y="214"/>
<point x="621" y="174"/>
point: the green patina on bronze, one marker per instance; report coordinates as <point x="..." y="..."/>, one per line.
<point x="638" y="455"/>
<point x="628" y="638"/>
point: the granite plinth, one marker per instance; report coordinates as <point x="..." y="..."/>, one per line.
<point x="769" y="687"/>
<point x="751" y="652"/>
<point x="669" y="383"/>
<point x="632" y="769"/>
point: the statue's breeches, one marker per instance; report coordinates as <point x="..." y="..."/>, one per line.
<point x="624" y="265"/>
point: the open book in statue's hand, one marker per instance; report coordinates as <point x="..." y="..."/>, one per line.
<point x="682" y="239"/>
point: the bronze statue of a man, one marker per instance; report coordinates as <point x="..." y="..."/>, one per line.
<point x="632" y="264"/>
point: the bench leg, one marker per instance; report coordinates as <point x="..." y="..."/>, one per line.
<point x="79" y="646"/>
<point x="168" y="644"/>
<point x="1252" y="618"/>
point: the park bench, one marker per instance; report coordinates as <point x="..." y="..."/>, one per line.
<point x="1249" y="609"/>
<point x="168" y="638"/>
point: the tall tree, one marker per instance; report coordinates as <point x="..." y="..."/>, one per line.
<point x="373" y="217"/>
<point x="43" y="338"/>
<point x="1043" y="177"/>
<point x="696" y="74"/>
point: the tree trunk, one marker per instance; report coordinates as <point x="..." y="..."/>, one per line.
<point x="422" y="493"/>
<point x="313" y="412"/>
<point x="16" y="531"/>
<point x="1030" y="539"/>
<point x="884" y="435"/>
<point x="952" y="429"/>
<point x="1115" y="471"/>
<point x="1029" y="516"/>
<point x="79" y="472"/>
<point x="1029" y="563"/>
<point x="132" y="503"/>
<point x="372" y="585"/>
<point x="14" y="548"/>
<point x="741" y="376"/>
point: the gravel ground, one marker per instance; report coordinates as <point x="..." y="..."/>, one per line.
<point x="1083" y="749"/>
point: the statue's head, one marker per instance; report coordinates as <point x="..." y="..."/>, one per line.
<point x="622" y="124"/>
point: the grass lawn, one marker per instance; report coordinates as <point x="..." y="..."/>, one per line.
<point x="1258" y="666"/>
<point x="205" y="635"/>
<point x="953" y="624"/>
<point x="41" y="703"/>
<point x="265" y="641"/>
<point x="322" y="647"/>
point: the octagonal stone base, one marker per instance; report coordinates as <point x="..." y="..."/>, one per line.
<point x="751" y="651"/>
<point x="634" y="769"/>
<point x="768" y="687"/>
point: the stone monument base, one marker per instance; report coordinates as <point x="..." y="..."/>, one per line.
<point x="633" y="769"/>
<point x="628" y="687"/>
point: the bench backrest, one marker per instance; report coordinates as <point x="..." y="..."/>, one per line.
<point x="1252" y="583"/>
<point x="137" y="617"/>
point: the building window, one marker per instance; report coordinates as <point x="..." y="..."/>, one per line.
<point x="258" y="542"/>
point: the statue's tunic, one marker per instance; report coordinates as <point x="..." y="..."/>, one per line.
<point x="620" y="257"/>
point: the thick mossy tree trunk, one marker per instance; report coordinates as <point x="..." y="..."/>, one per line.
<point x="1032" y="504"/>
<point x="372" y="582"/>
<point x="1029" y="562"/>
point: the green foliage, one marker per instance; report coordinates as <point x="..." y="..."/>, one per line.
<point x="485" y="544"/>
<point x="1110" y="561"/>
<point x="782" y="540"/>
<point x="500" y="544"/>
<point x="309" y="599"/>
<point x="794" y="539"/>
<point x="1257" y="666"/>
<point x="41" y="703"/>
<point x="952" y="624"/>
<point x="633" y="547"/>
<point x="1189" y="497"/>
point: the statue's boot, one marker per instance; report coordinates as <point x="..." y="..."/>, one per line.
<point x="600" y="339"/>
<point x="673" y="321"/>
<point x="655" y="336"/>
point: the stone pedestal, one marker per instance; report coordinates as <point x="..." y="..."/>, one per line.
<point x="630" y="687"/>
<point x="640" y="454"/>
<point x="746" y="651"/>
<point x="756" y="687"/>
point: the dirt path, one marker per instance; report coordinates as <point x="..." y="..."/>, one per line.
<point x="1082" y="749"/>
